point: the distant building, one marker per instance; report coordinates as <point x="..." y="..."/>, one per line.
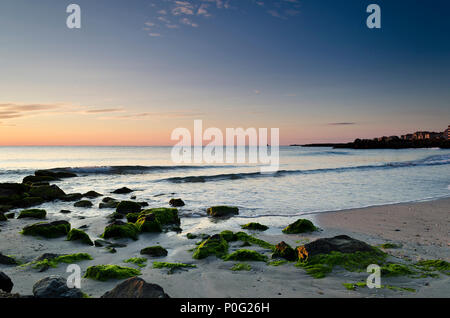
<point x="447" y="133"/>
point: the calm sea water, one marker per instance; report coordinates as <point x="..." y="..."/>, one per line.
<point x="309" y="180"/>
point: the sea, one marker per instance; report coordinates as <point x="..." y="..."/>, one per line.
<point x="309" y="180"/>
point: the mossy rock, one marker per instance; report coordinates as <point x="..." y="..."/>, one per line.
<point x="79" y="235"/>
<point x="214" y="245"/>
<point x="29" y="202"/>
<point x="246" y="255"/>
<point x="148" y="223"/>
<point x="165" y="216"/>
<point x="434" y="265"/>
<point x="32" y="213"/>
<point x="119" y="229"/>
<point x="241" y="267"/>
<point x="139" y="261"/>
<point x="253" y="226"/>
<point x="49" y="230"/>
<point x="123" y="190"/>
<point x="106" y="272"/>
<point x="132" y="217"/>
<point x="112" y="204"/>
<point x="125" y="207"/>
<point x="47" y="192"/>
<point x="283" y="250"/>
<point x="300" y="226"/>
<point x="83" y="204"/>
<point x="155" y="251"/>
<point x="222" y="211"/>
<point x="176" y="202"/>
<point x="228" y="235"/>
<point x="35" y="179"/>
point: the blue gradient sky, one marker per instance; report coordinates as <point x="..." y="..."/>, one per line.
<point x="138" y="69"/>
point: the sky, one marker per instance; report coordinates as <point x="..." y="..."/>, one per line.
<point x="136" y="70"/>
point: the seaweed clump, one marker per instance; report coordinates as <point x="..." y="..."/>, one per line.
<point x="246" y="255"/>
<point x="139" y="261"/>
<point x="79" y="235"/>
<point x="300" y="226"/>
<point x="214" y="245"/>
<point x="254" y="226"/>
<point x="105" y="272"/>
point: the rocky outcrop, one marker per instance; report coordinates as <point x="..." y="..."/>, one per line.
<point x="55" y="287"/>
<point x="123" y="190"/>
<point x="49" y="230"/>
<point x="6" y="283"/>
<point x="136" y="287"/>
<point x="340" y="243"/>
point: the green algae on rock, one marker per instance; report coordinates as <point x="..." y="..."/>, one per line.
<point x="253" y="226"/>
<point x="46" y="192"/>
<point x="172" y="266"/>
<point x="139" y="261"/>
<point x="49" y="230"/>
<point x="106" y="272"/>
<point x="222" y="210"/>
<point x="214" y="245"/>
<point x="79" y="235"/>
<point x="246" y="255"/>
<point x="300" y="226"/>
<point x="32" y="213"/>
<point x="434" y="265"/>
<point x="155" y="251"/>
<point x="165" y="216"/>
<point x="57" y="259"/>
<point x="148" y="223"/>
<point x="389" y="245"/>
<point x="241" y="267"/>
<point x="119" y="229"/>
<point x="392" y="269"/>
<point x="83" y="204"/>
<point x="283" y="250"/>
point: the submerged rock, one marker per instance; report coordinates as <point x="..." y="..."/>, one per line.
<point x="155" y="251"/>
<point x="83" y="204"/>
<point x="136" y="287"/>
<point x="49" y="230"/>
<point x="176" y="202"/>
<point x="92" y="195"/>
<point x="126" y="207"/>
<point x="123" y="190"/>
<point x="221" y="211"/>
<point x="72" y="197"/>
<point x="6" y="283"/>
<point x="55" y="287"/>
<point x="300" y="226"/>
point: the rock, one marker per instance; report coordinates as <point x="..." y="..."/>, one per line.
<point x="214" y="245"/>
<point x="340" y="243"/>
<point x="165" y="216"/>
<point x="3" y="218"/>
<point x="123" y="190"/>
<point x="119" y="229"/>
<point x="29" y="202"/>
<point x="108" y="203"/>
<point x="65" y="211"/>
<point x="6" y="283"/>
<point x="106" y="272"/>
<point x="176" y="202"/>
<point x="6" y="260"/>
<point x="83" y="204"/>
<point x="55" y="287"/>
<point x="8" y="295"/>
<point x="283" y="250"/>
<point x="132" y="217"/>
<point x="125" y="207"/>
<point x="92" y="195"/>
<point x="155" y="251"/>
<point x="37" y="179"/>
<point x="32" y="213"/>
<point x="136" y="287"/>
<point x="109" y="199"/>
<point x="300" y="226"/>
<point x="47" y="192"/>
<point x="72" y="197"/>
<point x="55" y="173"/>
<point x="49" y="230"/>
<point x="10" y="215"/>
<point x="8" y="190"/>
<point x="221" y="211"/>
<point x="148" y="223"/>
<point x="79" y="235"/>
<point x="254" y="226"/>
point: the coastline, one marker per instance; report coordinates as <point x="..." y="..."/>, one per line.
<point x="213" y="277"/>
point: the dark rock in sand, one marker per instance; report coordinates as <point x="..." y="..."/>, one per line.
<point x="83" y="204"/>
<point x="155" y="251"/>
<point x="92" y="195"/>
<point x="55" y="287"/>
<point x="283" y="250"/>
<point x="176" y="202"/>
<point x="6" y="260"/>
<point x="65" y="211"/>
<point x="79" y="235"/>
<point x="136" y="287"/>
<point x="126" y="207"/>
<point x="340" y="243"/>
<point x="6" y="283"/>
<point x="123" y="190"/>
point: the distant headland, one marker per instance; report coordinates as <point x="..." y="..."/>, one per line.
<point x="419" y="139"/>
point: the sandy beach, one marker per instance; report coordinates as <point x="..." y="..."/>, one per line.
<point x="421" y="229"/>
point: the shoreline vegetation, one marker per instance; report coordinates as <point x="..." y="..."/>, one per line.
<point x="135" y="251"/>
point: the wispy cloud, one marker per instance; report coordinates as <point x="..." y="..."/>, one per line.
<point x="342" y="124"/>
<point x="147" y="115"/>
